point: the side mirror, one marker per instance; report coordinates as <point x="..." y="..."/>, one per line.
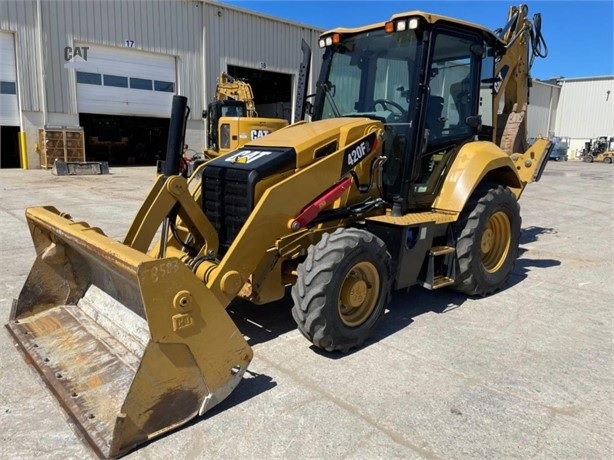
<point x="205" y="113"/>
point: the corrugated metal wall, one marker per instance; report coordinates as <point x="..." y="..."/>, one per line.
<point x="541" y="113"/>
<point x="586" y="108"/>
<point x="20" y="17"/>
<point x="171" y="27"/>
<point x="166" y="26"/>
<point x="241" y="38"/>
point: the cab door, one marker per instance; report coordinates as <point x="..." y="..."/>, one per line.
<point x="451" y="95"/>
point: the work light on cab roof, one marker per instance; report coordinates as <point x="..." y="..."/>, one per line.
<point x="402" y="24"/>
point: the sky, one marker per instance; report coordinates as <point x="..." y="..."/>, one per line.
<point x="579" y="34"/>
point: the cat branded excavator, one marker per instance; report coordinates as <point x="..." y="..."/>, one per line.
<point x="408" y="174"/>
<point x="232" y="119"/>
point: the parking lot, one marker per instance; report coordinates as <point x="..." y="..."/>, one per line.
<point x="525" y="373"/>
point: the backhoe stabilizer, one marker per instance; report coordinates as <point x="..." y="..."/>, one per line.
<point x="530" y="164"/>
<point x="131" y="346"/>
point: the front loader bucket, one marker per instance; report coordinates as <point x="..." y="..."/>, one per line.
<point x="130" y="345"/>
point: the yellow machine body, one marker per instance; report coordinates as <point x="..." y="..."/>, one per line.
<point x="233" y="132"/>
<point x="133" y="337"/>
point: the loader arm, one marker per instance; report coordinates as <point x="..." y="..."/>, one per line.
<point x="277" y="209"/>
<point x="168" y="195"/>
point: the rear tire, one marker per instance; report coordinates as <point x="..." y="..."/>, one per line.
<point x="342" y="289"/>
<point x="488" y="234"/>
<point x="607" y="160"/>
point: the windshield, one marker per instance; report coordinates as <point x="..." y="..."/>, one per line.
<point x="369" y="74"/>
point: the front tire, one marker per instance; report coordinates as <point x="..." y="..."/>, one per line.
<point x="342" y="289"/>
<point x="607" y="160"/>
<point x="488" y="234"/>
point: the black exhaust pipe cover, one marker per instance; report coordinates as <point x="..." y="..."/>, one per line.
<point x="176" y="134"/>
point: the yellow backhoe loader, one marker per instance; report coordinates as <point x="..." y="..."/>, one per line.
<point x="232" y="120"/>
<point x="409" y="173"/>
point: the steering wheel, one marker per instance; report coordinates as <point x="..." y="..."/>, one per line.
<point x="385" y="103"/>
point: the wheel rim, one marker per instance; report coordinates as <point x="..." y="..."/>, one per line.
<point x="495" y="241"/>
<point x="359" y="294"/>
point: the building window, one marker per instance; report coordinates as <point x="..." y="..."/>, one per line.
<point x="116" y="80"/>
<point x="140" y="83"/>
<point x="119" y="82"/>
<point x="89" y="78"/>
<point x="8" y="87"/>
<point x="166" y="86"/>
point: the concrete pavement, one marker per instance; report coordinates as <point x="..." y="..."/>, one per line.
<point x="525" y="373"/>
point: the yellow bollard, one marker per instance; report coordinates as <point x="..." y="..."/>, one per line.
<point x="23" y="151"/>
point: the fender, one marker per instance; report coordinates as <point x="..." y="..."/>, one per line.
<point x="475" y="162"/>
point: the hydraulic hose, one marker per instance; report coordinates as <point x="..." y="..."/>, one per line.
<point x="538" y="43"/>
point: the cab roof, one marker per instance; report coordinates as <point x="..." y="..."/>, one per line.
<point x="431" y="18"/>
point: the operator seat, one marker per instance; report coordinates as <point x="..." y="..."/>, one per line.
<point x="434" y="120"/>
<point x="461" y="95"/>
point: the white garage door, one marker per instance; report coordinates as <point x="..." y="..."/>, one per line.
<point x="116" y="81"/>
<point x="9" y="111"/>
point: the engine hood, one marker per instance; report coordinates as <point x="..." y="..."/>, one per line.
<point x="316" y="139"/>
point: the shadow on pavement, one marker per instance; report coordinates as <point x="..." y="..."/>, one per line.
<point x="252" y="385"/>
<point x="261" y="323"/>
<point x="532" y="234"/>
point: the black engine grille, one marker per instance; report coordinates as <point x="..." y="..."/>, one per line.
<point x="227" y="201"/>
<point x="229" y="186"/>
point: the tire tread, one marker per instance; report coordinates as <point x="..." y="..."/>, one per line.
<point x="315" y="274"/>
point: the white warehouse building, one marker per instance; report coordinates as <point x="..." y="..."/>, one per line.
<point x="578" y="109"/>
<point x="112" y="67"/>
<point x="585" y="109"/>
